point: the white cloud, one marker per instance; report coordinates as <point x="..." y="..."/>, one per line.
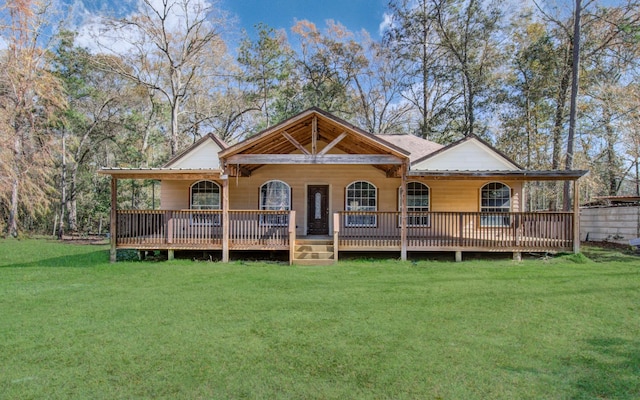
<point x="387" y="23"/>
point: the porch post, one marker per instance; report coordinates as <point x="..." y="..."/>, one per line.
<point x="113" y="223"/>
<point x="336" y="237"/>
<point x="403" y="217"/>
<point x="576" y="217"/>
<point x="225" y="218"/>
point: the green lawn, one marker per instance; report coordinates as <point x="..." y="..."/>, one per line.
<point x="72" y="325"/>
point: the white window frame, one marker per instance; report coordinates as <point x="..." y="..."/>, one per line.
<point x="275" y="220"/>
<point x="205" y="219"/>
<point x="424" y="221"/>
<point x="366" y="221"/>
<point x="495" y="221"/>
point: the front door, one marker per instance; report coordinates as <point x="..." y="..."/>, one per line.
<point x="318" y="210"/>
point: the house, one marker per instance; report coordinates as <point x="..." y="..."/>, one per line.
<point x="315" y="186"/>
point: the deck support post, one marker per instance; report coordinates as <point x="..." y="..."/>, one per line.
<point x="403" y="217"/>
<point x="576" y="217"/>
<point x="292" y="236"/>
<point x="517" y="256"/>
<point x="113" y="253"/>
<point x="458" y="256"/>
<point x="336" y="236"/>
<point x="170" y="254"/>
<point x="225" y="218"/>
<point x="142" y="254"/>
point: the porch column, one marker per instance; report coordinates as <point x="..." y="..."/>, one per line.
<point x="225" y="218"/>
<point x="576" y="217"/>
<point x="114" y="215"/>
<point x="403" y="208"/>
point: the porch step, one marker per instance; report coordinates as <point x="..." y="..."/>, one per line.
<point x="313" y="252"/>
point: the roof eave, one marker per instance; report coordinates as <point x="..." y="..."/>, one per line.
<point x="522" y="175"/>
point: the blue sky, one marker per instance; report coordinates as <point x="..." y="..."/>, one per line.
<point x="354" y="14"/>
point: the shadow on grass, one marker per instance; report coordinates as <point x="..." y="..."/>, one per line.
<point x="608" y="368"/>
<point x="83" y="260"/>
<point x="610" y="253"/>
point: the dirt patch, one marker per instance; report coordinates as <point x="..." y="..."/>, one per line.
<point x="609" y="245"/>
<point x="85" y="239"/>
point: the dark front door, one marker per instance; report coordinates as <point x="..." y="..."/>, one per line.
<point x="318" y="210"/>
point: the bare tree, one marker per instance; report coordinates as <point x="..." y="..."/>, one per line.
<point x="166" y="46"/>
<point x="29" y="98"/>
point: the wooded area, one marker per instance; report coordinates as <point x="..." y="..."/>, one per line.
<point x="154" y="81"/>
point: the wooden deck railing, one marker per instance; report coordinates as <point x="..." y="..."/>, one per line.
<point x="251" y="229"/>
<point x="275" y="230"/>
<point x="457" y="230"/>
<point x="195" y="229"/>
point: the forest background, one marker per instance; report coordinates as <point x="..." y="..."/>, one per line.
<point x="134" y="88"/>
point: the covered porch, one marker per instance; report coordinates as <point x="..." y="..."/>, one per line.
<point x="241" y="230"/>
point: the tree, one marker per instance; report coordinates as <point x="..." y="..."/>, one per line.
<point x="168" y="46"/>
<point x="268" y="64"/>
<point x="427" y="83"/>
<point x="328" y="63"/>
<point x="468" y="32"/>
<point x="378" y="104"/>
<point x="29" y="98"/>
<point x="101" y="112"/>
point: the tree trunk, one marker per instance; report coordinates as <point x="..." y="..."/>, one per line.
<point x="63" y="188"/>
<point x="573" y="112"/>
<point x="173" y="142"/>
<point x="13" y="212"/>
<point x="561" y="100"/>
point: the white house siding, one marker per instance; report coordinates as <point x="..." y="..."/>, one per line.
<point x="466" y="156"/>
<point x="614" y="224"/>
<point x="203" y="156"/>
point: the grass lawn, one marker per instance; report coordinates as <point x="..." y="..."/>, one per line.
<point x="72" y="325"/>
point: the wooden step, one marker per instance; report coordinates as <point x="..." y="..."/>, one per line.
<point x="313" y="247"/>
<point x="313" y="252"/>
<point x="314" y="255"/>
<point x="314" y="242"/>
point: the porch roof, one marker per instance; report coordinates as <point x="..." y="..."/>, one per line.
<point x="518" y="175"/>
<point x="162" y="173"/>
<point x="313" y="137"/>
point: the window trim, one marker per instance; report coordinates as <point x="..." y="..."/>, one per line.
<point x="349" y="219"/>
<point x="274" y="220"/>
<point x="427" y="223"/>
<point x="205" y="219"/>
<point x="487" y="220"/>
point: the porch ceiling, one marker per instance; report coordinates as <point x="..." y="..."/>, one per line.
<point x="313" y="137"/>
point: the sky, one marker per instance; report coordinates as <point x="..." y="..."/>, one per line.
<point x="354" y="14"/>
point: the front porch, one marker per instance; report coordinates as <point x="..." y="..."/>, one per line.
<point x="241" y="230"/>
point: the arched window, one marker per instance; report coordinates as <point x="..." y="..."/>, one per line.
<point x="205" y="195"/>
<point x="361" y="196"/>
<point x="417" y="201"/>
<point x="495" y="198"/>
<point x="275" y="196"/>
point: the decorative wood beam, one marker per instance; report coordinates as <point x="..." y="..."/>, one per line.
<point x="295" y="143"/>
<point x="393" y="171"/>
<point x="333" y="143"/>
<point x="314" y="135"/>
<point x="370" y="159"/>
